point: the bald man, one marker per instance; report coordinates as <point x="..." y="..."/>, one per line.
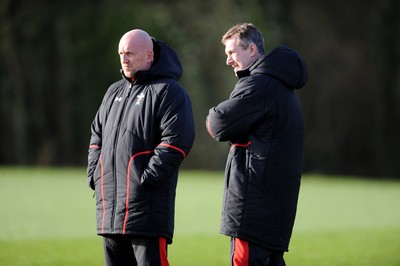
<point x="140" y="135"/>
<point x="136" y="52"/>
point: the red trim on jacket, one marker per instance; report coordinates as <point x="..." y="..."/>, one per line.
<point x="241" y="145"/>
<point x="94" y="146"/>
<point x="173" y="147"/>
<point x="128" y="186"/>
<point x="209" y="128"/>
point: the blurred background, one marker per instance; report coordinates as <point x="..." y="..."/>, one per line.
<point x="57" y="59"/>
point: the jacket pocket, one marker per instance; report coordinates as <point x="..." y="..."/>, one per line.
<point x="257" y="168"/>
<point x="97" y="171"/>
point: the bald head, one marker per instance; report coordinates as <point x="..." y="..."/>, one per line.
<point x="136" y="52"/>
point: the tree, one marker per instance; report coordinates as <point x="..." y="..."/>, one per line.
<point x="59" y="57"/>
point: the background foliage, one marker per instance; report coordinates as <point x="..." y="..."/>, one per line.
<point x="57" y="59"/>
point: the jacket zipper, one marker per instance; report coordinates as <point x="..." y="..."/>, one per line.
<point x="114" y="157"/>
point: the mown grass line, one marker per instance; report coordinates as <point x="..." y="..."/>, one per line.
<point x="48" y="218"/>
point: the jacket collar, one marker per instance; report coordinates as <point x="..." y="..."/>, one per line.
<point x="246" y="72"/>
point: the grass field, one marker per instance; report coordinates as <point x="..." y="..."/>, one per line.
<point x="48" y="218"/>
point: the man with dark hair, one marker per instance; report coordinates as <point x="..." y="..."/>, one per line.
<point x="263" y="121"/>
<point x="141" y="133"/>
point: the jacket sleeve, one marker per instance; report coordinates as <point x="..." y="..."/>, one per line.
<point x="233" y="119"/>
<point x="177" y="135"/>
<point x="95" y="144"/>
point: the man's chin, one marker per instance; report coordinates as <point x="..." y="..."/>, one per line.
<point x="128" y="74"/>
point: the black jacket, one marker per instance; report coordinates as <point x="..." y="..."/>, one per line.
<point x="140" y="135"/>
<point x="264" y="122"/>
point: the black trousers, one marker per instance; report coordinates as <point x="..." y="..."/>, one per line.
<point x="123" y="250"/>
<point x="244" y="253"/>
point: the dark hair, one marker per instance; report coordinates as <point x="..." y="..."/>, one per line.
<point x="248" y="34"/>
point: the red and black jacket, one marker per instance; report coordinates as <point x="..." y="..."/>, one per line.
<point x="140" y="135"/>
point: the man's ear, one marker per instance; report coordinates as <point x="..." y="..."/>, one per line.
<point x="150" y="56"/>
<point x="253" y="49"/>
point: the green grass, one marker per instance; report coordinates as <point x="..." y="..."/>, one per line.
<point x="48" y="218"/>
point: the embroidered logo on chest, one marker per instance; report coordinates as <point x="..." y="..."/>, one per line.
<point x="139" y="99"/>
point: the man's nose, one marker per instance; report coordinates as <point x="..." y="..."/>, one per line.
<point x="124" y="58"/>
<point x="229" y="60"/>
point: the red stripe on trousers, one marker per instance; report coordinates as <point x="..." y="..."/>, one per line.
<point x="163" y="251"/>
<point x="240" y="253"/>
